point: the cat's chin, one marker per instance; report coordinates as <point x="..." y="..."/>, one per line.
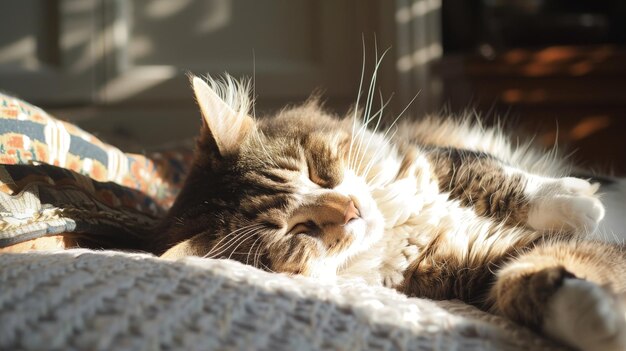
<point x="365" y="231"/>
<point x="375" y="228"/>
<point x="369" y="228"/>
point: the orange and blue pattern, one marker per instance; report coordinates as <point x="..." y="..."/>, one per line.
<point x="55" y="178"/>
<point x="29" y="135"/>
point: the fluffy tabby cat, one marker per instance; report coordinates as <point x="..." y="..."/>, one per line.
<point x="436" y="208"/>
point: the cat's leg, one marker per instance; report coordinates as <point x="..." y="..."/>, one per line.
<point x="571" y="292"/>
<point x="497" y="190"/>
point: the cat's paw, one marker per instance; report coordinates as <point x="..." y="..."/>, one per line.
<point x="569" y="204"/>
<point x="586" y="316"/>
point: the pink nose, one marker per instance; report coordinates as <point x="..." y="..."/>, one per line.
<point x="351" y="212"/>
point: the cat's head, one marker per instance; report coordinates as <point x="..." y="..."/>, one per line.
<point x="279" y="193"/>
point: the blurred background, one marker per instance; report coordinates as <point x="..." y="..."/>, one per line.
<point x="553" y="68"/>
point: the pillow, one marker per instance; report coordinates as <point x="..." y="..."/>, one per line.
<point x="29" y="135"/>
<point x="56" y="178"/>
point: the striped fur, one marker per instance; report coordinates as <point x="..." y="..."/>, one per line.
<point x="438" y="208"/>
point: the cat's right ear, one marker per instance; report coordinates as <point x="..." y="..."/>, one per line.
<point x="228" y="124"/>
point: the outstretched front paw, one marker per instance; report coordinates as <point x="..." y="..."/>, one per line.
<point x="565" y="204"/>
<point x="587" y="316"/>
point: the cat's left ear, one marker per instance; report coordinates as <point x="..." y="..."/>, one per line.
<point x="228" y="125"/>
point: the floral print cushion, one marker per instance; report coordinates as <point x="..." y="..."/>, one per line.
<point x="56" y="178"/>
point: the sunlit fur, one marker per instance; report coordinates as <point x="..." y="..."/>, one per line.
<point x="288" y="165"/>
<point x="448" y="208"/>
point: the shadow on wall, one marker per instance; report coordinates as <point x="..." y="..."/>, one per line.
<point x="94" y="40"/>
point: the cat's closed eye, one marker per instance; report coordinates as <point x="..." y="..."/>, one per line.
<point x="309" y="228"/>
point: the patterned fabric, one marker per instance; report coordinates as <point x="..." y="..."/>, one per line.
<point x="44" y="200"/>
<point x="29" y="135"/>
<point x="56" y="178"/>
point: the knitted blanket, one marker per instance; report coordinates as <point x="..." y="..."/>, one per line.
<point x="87" y="300"/>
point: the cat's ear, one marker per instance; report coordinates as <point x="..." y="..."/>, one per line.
<point x="227" y="121"/>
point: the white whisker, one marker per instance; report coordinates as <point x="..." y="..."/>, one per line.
<point x="267" y="268"/>
<point x="373" y="132"/>
<point x="253" y="83"/>
<point x="221" y="247"/>
<point x="257" y="256"/>
<point x="369" y="102"/>
<point x="356" y="106"/>
<point x="234" y="240"/>
<point x="252" y="247"/>
<point x="382" y="148"/>
<point x="385" y="137"/>
<point x="236" y="231"/>
<point x="249" y="235"/>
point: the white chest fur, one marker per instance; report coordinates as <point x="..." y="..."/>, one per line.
<point x="402" y="203"/>
<point x="415" y="213"/>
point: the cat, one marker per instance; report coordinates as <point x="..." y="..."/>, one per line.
<point x="439" y="208"/>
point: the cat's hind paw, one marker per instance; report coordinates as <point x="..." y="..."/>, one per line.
<point x="569" y="204"/>
<point x="586" y="316"/>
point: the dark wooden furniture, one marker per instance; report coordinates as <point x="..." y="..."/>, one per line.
<point x="573" y="95"/>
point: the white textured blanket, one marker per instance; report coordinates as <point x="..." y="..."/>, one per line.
<point x="90" y="300"/>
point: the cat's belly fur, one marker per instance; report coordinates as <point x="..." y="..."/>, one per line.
<point x="415" y="215"/>
<point x="406" y="235"/>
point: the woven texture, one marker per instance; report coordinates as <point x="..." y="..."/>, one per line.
<point x="43" y="200"/>
<point x="86" y="300"/>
